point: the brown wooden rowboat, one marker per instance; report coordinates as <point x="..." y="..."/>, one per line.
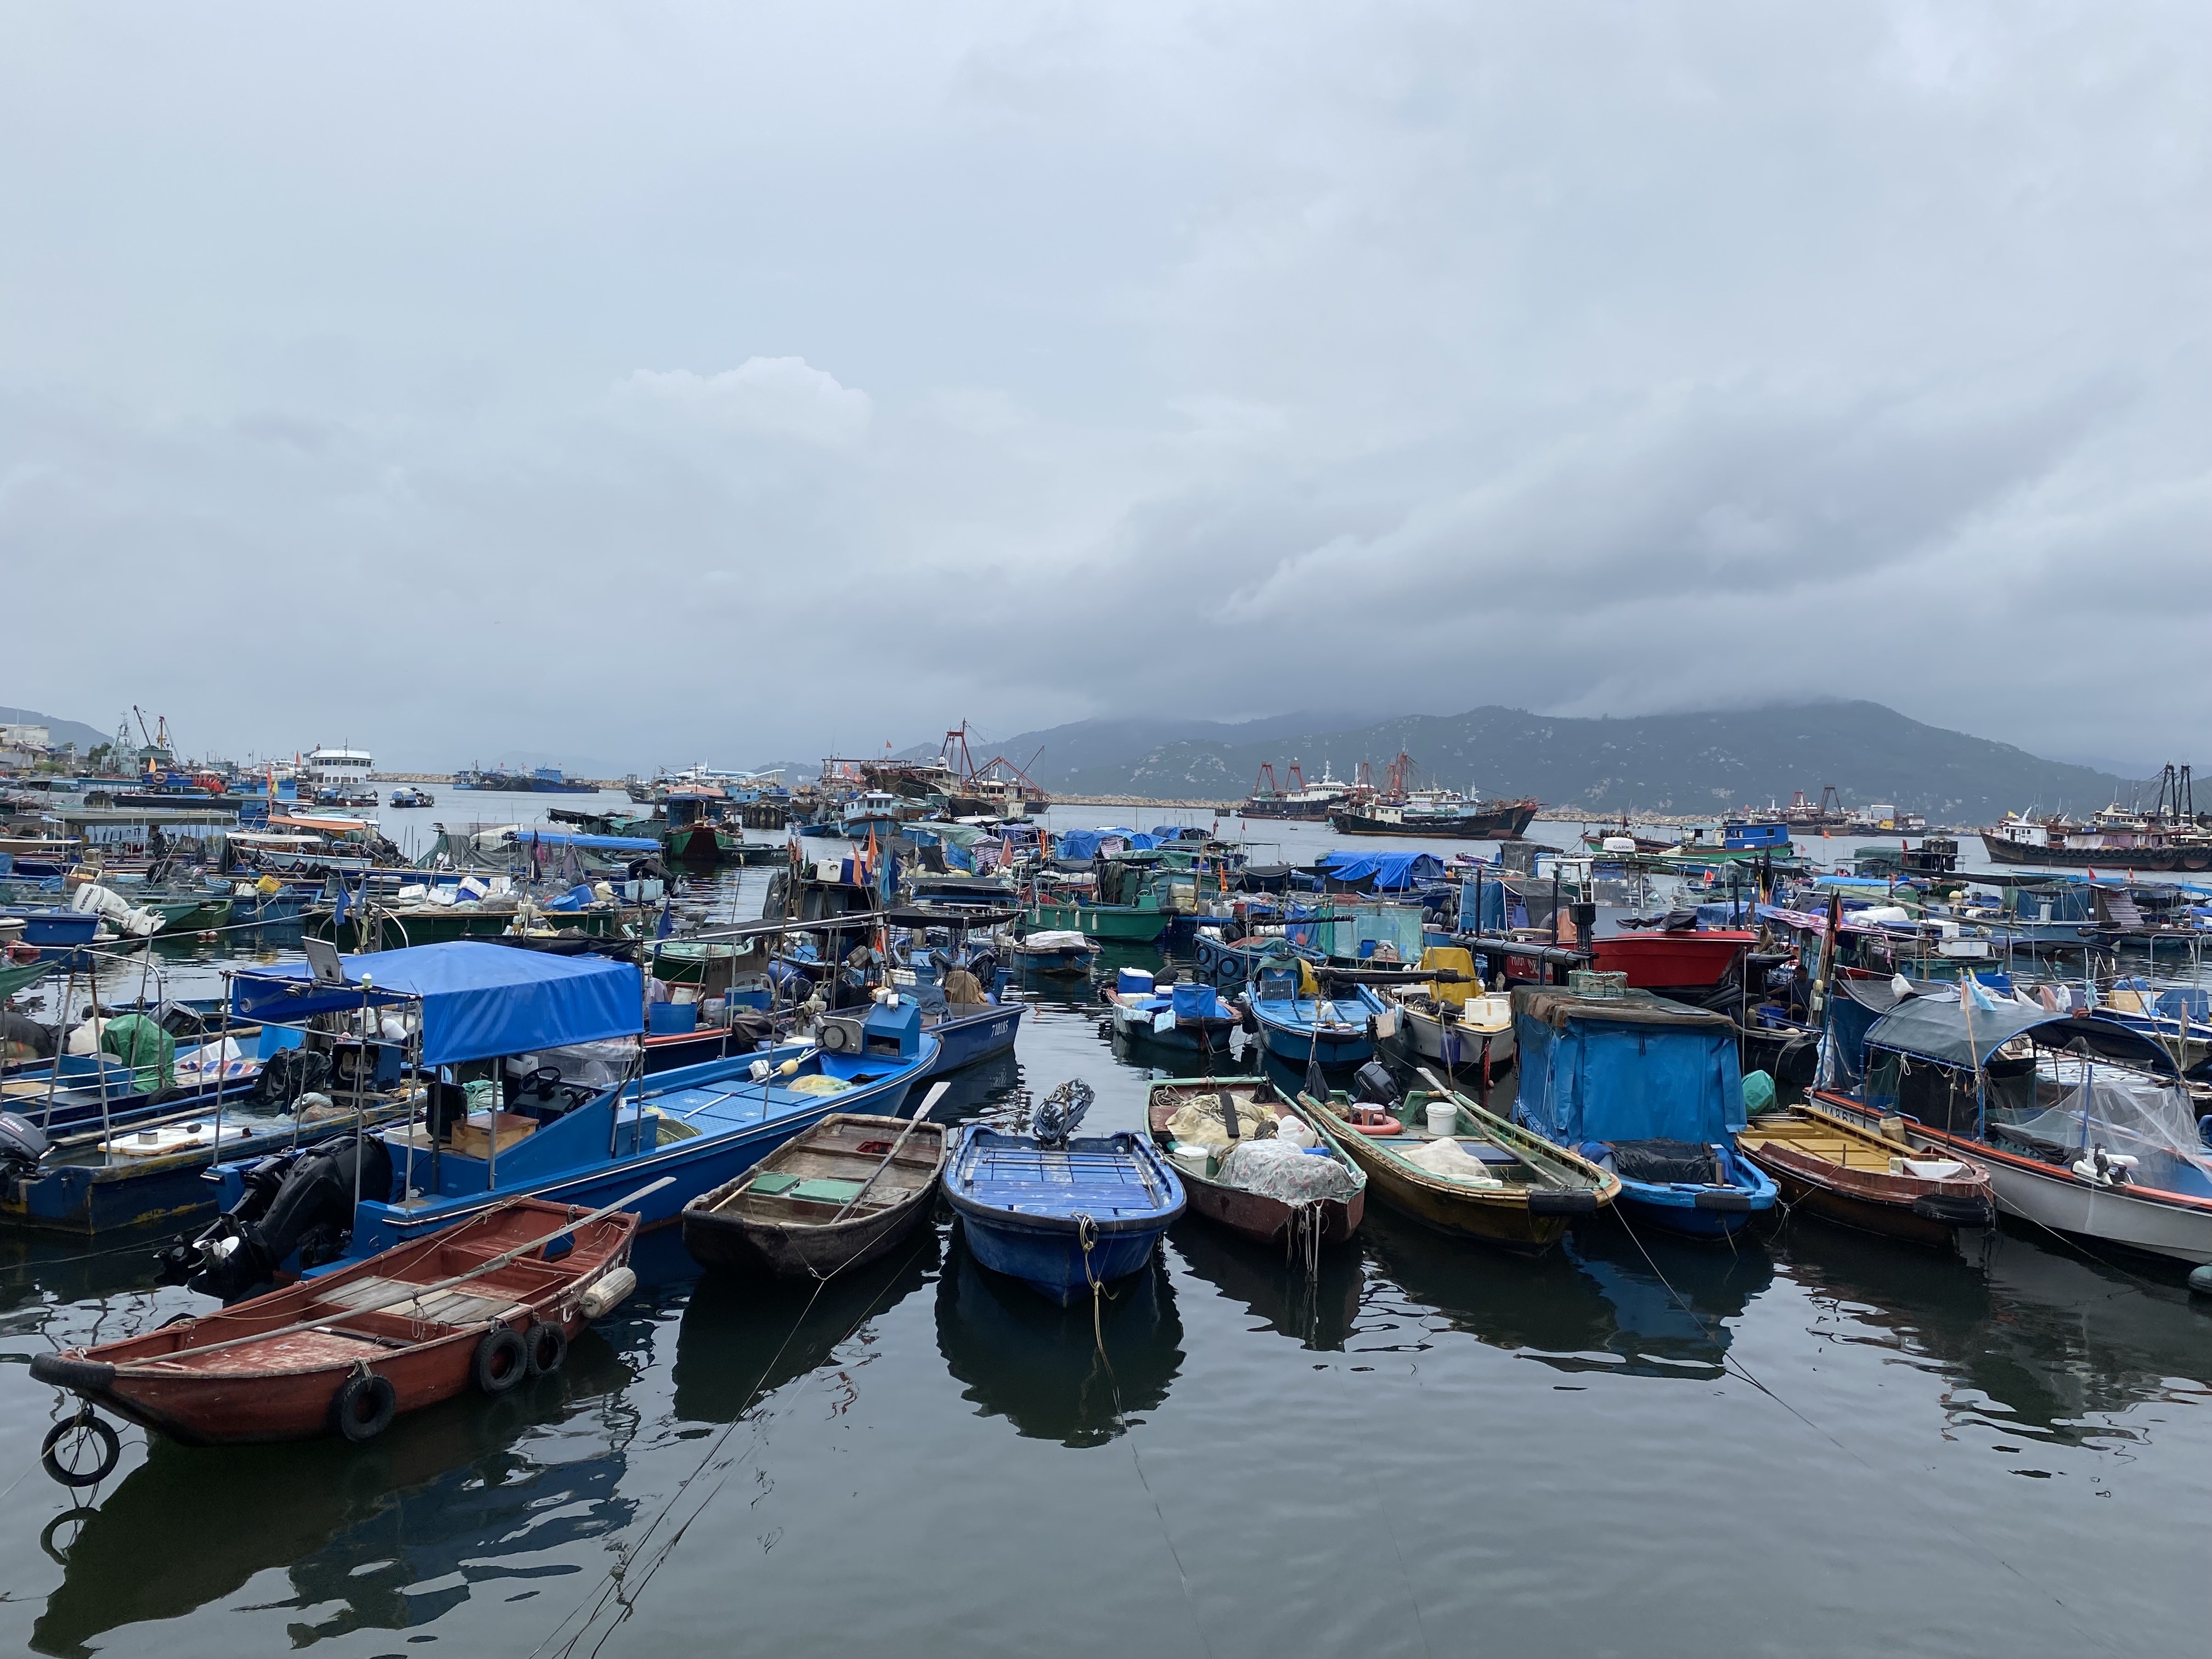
<point x="350" y="1350"/>
<point x="1844" y="1172"/>
<point x="780" y="1216"/>
<point x="1256" y="1215"/>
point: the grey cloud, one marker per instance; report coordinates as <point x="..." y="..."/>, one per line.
<point x="679" y="383"/>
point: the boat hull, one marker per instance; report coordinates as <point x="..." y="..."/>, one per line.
<point x="965" y="1038"/>
<point x="1506" y="821"/>
<point x="1046" y="1255"/>
<point x="1122" y="924"/>
<point x="1707" y="1212"/>
<point x="2004" y="850"/>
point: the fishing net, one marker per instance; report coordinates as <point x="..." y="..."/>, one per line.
<point x="2126" y="1113"/>
<point x="1450" y="1161"/>
<point x="1200" y="1121"/>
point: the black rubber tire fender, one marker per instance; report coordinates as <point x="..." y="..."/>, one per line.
<point x="546" y="1347"/>
<point x="111" y="1450"/>
<point x="500" y="1360"/>
<point x="364" y="1406"/>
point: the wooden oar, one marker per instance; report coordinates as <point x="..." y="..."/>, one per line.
<point x="416" y="1292"/>
<point x="928" y="1105"/>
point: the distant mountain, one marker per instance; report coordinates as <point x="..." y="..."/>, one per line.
<point x="86" y="737"/>
<point x="1682" y="763"/>
<point x="1059" y="753"/>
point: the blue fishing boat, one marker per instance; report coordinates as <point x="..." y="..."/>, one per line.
<point x="557" y="1133"/>
<point x="1650" y="1090"/>
<point x="1062" y="1213"/>
<point x="1334" y="1030"/>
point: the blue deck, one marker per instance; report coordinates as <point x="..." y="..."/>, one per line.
<point x="1332" y="1031"/>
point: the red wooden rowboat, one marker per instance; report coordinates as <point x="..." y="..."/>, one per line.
<point x="485" y="1303"/>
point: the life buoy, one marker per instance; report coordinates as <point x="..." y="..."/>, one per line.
<point x="1374" y="1120"/>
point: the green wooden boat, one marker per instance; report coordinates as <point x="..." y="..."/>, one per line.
<point x="190" y="915"/>
<point x="1123" y="924"/>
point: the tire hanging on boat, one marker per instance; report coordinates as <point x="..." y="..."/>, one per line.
<point x="364" y="1406"/>
<point x="501" y="1361"/>
<point x="546" y="1347"/>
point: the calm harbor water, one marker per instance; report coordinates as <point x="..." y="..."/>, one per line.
<point x="1814" y="1443"/>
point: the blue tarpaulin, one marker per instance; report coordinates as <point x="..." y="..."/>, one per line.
<point x="479" y="1000"/>
<point x="1392" y="872"/>
<point x="1085" y="843"/>
<point x="1636" y="1068"/>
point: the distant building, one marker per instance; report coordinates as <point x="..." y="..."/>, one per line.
<point x="25" y="737"/>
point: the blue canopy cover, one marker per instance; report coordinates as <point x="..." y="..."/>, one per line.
<point x="479" y="1000"/>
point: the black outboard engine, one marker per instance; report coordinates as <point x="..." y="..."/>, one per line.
<point x="298" y="1202"/>
<point x="22" y="1144"/>
<point x="1376" y="1085"/>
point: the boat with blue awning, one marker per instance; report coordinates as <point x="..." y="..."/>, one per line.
<point x="553" y="1133"/>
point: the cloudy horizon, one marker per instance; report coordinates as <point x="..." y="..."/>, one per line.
<point x="668" y="383"/>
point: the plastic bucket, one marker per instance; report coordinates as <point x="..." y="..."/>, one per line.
<point x="1443" y="1118"/>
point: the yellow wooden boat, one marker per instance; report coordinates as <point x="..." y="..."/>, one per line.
<point x="1525" y="1195"/>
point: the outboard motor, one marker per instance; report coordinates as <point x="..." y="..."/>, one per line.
<point x="22" y="1144"/>
<point x="1376" y="1085"/>
<point x="298" y="1202"/>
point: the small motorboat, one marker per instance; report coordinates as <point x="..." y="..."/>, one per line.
<point x="1332" y="1031"/>
<point x="1054" y="951"/>
<point x="408" y="797"/>
<point x="1190" y="1017"/>
<point x="1322" y="1197"/>
<point x="483" y="1304"/>
<point x="1834" y="1168"/>
<point x="843" y="1193"/>
<point x="1465" y="1171"/>
<point x="1064" y="1214"/>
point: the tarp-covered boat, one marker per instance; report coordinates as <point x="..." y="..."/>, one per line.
<point x="1650" y="1089"/>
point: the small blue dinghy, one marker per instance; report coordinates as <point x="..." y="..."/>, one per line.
<point x="1060" y="1212"/>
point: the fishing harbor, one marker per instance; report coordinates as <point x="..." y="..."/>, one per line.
<point x="1867" y="1160"/>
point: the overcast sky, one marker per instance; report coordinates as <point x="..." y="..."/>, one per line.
<point x="663" y="383"/>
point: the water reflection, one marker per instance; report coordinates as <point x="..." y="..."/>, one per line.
<point x="1595" y="1303"/>
<point x="2039" y="1341"/>
<point x="1317" y="1313"/>
<point x="389" y="1536"/>
<point x="743" y="1335"/>
<point x="1038" y="1366"/>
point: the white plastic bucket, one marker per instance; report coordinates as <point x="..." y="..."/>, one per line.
<point x="1443" y="1118"/>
